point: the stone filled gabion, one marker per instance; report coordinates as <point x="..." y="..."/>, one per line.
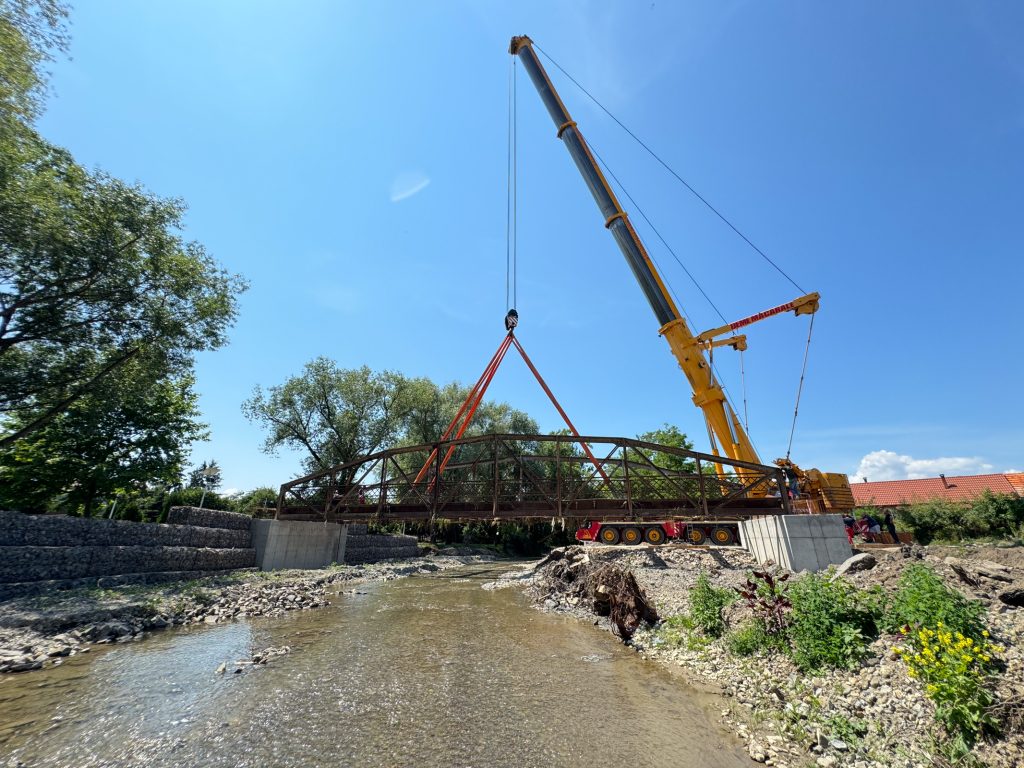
<point x="63" y="550"/>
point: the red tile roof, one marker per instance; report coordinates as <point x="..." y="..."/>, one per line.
<point x="889" y="493"/>
<point x="1017" y="481"/>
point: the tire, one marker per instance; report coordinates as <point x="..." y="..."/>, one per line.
<point x="608" y="535"/>
<point x="632" y="535"/>
<point x="654" y="535"/>
<point x="696" y="535"/>
<point x="723" y="536"/>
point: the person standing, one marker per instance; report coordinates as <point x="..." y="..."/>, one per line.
<point x="890" y="526"/>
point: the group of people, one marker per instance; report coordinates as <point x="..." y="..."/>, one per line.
<point x="868" y="527"/>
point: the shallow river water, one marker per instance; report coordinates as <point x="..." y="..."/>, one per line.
<point x="423" y="671"/>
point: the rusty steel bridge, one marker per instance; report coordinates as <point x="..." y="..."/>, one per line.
<point x="531" y="477"/>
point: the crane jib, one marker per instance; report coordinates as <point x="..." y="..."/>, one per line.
<point x="614" y="216"/>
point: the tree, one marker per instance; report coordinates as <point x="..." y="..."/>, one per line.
<point x="30" y="33"/>
<point x="336" y="415"/>
<point x="333" y="414"/>
<point x="127" y="433"/>
<point x="207" y="475"/>
<point x="671" y="436"/>
<point x="93" y="272"/>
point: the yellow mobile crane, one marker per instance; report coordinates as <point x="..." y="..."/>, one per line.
<point x="822" y="491"/>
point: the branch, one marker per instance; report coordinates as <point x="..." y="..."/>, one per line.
<point x="64" y="404"/>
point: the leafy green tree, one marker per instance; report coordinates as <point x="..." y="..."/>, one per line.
<point x="126" y="433"/>
<point x="31" y="33"/>
<point x="93" y="271"/>
<point x="333" y="414"/>
<point x="250" y="501"/>
<point x="207" y="475"/>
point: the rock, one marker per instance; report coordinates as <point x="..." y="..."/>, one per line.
<point x="757" y="753"/>
<point x="826" y="761"/>
<point x="838" y="745"/>
<point x="1014" y="597"/>
<point x="222" y="668"/>
<point x="862" y="562"/>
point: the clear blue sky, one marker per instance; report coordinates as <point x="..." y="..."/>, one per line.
<point x="349" y="159"/>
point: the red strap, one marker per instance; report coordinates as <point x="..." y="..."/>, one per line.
<point x="554" y="401"/>
<point x="475" y="397"/>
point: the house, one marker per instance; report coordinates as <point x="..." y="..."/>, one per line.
<point x="895" y="493"/>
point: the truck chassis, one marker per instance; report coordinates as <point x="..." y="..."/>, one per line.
<point x="719" y="533"/>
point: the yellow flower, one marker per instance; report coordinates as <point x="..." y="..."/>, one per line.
<point x="984" y="633"/>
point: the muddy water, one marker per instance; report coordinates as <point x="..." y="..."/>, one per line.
<point x="424" y="671"/>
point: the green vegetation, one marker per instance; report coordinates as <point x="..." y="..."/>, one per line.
<point x="923" y="600"/>
<point x="990" y="516"/>
<point x="103" y="306"/>
<point x="706" y="605"/>
<point x="957" y="672"/>
<point x="831" y="623"/>
<point x="823" y="623"/>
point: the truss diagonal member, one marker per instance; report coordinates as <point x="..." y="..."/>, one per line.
<point x="670" y="480"/>
<point x="558" y="407"/>
<point x="597" y="468"/>
<point x="471" y="403"/>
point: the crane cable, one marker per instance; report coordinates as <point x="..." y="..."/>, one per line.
<point x="713" y="371"/>
<point x="511" y="260"/>
<point x="721" y="216"/>
<point x="668" y="168"/>
<point x="800" y="387"/>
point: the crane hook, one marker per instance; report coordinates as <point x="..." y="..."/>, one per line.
<point x="511" y="320"/>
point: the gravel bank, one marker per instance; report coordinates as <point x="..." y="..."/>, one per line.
<point x="868" y="717"/>
<point x="40" y="630"/>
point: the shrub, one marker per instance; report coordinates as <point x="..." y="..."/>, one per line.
<point x="989" y="516"/>
<point x="706" y="604"/>
<point x="831" y="623"/>
<point x="766" y="597"/>
<point x="923" y="600"/>
<point x="957" y="671"/>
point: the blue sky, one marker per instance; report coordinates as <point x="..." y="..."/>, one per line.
<point x="349" y="160"/>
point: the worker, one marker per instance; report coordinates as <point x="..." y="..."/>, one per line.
<point x="871" y="524"/>
<point x="792" y="478"/>
<point x="890" y="526"/>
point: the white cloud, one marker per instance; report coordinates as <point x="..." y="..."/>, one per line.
<point x="230" y="492"/>
<point x="407" y="184"/>
<point x="1012" y="471"/>
<point x="889" y="465"/>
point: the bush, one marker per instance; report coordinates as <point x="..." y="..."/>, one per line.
<point x="957" y="672"/>
<point x="706" y="604"/>
<point x="831" y="623"/>
<point x="923" y="600"/>
<point x="989" y="516"/>
<point x="767" y="597"/>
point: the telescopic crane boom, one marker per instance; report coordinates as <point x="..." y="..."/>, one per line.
<point x="687" y="348"/>
<point x="826" y="491"/>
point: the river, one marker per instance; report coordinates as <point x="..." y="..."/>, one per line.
<point x="423" y="671"/>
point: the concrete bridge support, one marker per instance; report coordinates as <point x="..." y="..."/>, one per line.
<point x="797" y="542"/>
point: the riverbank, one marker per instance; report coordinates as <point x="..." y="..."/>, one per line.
<point x="42" y="630"/>
<point x="872" y="715"/>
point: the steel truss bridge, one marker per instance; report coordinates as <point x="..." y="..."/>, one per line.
<point x="531" y="477"/>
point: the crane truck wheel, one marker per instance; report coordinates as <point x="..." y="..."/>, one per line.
<point x="608" y="535"/>
<point x="654" y="535"/>
<point x="632" y="535"/>
<point x="723" y="536"/>
<point x="696" y="534"/>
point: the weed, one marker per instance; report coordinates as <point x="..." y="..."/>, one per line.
<point x="751" y="638"/>
<point x="956" y="671"/>
<point x="831" y="622"/>
<point x="923" y="600"/>
<point x="766" y="597"/>
<point x="706" y="604"/>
